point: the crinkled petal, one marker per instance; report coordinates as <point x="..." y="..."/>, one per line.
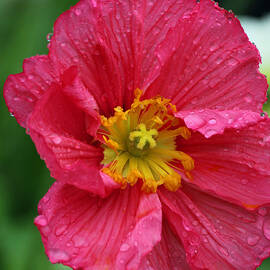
<point x="86" y="232"/>
<point x="212" y="122"/>
<point x="208" y="62"/>
<point x="58" y="130"/>
<point x="23" y="90"/>
<point x="217" y="234"/>
<point x="234" y="165"/>
<point x="168" y="254"/>
<point x="79" y="95"/>
<point x="114" y="44"/>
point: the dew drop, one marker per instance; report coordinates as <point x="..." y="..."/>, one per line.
<point x="56" y="139"/>
<point x="218" y="60"/>
<point x="244" y="181"/>
<point x="262" y="114"/>
<point x="266" y="139"/>
<point x="253" y="240"/>
<point x="30" y="77"/>
<point x="124" y="247"/>
<point x="69" y="243"/>
<point x="79" y="241"/>
<point x="209" y="133"/>
<point x="194" y="121"/>
<point x="11" y="114"/>
<point x="41" y="221"/>
<point x="30" y="99"/>
<point x="213" y="47"/>
<point x="78" y="12"/>
<point x="232" y="62"/>
<point x="57" y="255"/>
<point x="212" y="121"/>
<point x="49" y="37"/>
<point x="63" y="44"/>
<point x="266" y="228"/>
<point x="248" y="98"/>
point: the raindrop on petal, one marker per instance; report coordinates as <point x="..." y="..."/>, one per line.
<point x="253" y="240"/>
<point x="124" y="247"/>
<point x="212" y="121"/>
<point x="194" y="121"/>
<point x="57" y="255"/>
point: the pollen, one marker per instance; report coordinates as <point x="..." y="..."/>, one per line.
<point x="141" y="144"/>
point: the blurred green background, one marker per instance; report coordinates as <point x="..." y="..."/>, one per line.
<point x="24" y="178"/>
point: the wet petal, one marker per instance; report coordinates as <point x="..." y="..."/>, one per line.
<point x="212" y="122"/>
<point x="215" y="233"/>
<point x="208" y="62"/>
<point x="168" y="254"/>
<point x="23" y="90"/>
<point x="86" y="232"/>
<point x="58" y="130"/>
<point x="234" y="165"/>
<point x="114" y="44"/>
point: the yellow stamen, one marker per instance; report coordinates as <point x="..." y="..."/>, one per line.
<point x="140" y="143"/>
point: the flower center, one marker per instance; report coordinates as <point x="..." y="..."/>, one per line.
<point x="140" y="143"/>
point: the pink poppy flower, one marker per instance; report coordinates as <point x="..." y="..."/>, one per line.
<point x="148" y="113"/>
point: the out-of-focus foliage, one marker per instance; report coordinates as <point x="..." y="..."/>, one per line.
<point x="24" y="179"/>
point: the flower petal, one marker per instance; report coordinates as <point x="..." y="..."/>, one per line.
<point x="235" y="165"/>
<point x="215" y="233"/>
<point x="58" y="130"/>
<point x="86" y="232"/>
<point x="212" y="122"/>
<point x="114" y="43"/>
<point x="208" y="62"/>
<point x="168" y="254"/>
<point x="23" y="90"/>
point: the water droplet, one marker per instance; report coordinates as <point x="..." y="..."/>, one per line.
<point x="30" y="77"/>
<point x="79" y="241"/>
<point x="230" y="121"/>
<point x="219" y="60"/>
<point x="253" y="240"/>
<point x="60" y="229"/>
<point x="262" y="114"/>
<point x="213" y="47"/>
<point x="209" y="133"/>
<point x="244" y="181"/>
<point x="212" y="121"/>
<point x="194" y="121"/>
<point x="266" y="139"/>
<point x="195" y="223"/>
<point x="49" y="37"/>
<point x="57" y="255"/>
<point x="78" y="12"/>
<point x="56" y="139"/>
<point x="124" y="247"/>
<point x="69" y="243"/>
<point x="30" y="99"/>
<point x="63" y="44"/>
<point x="262" y="211"/>
<point x="232" y="62"/>
<point x="248" y="98"/>
<point x="11" y="114"/>
<point x="41" y="221"/>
